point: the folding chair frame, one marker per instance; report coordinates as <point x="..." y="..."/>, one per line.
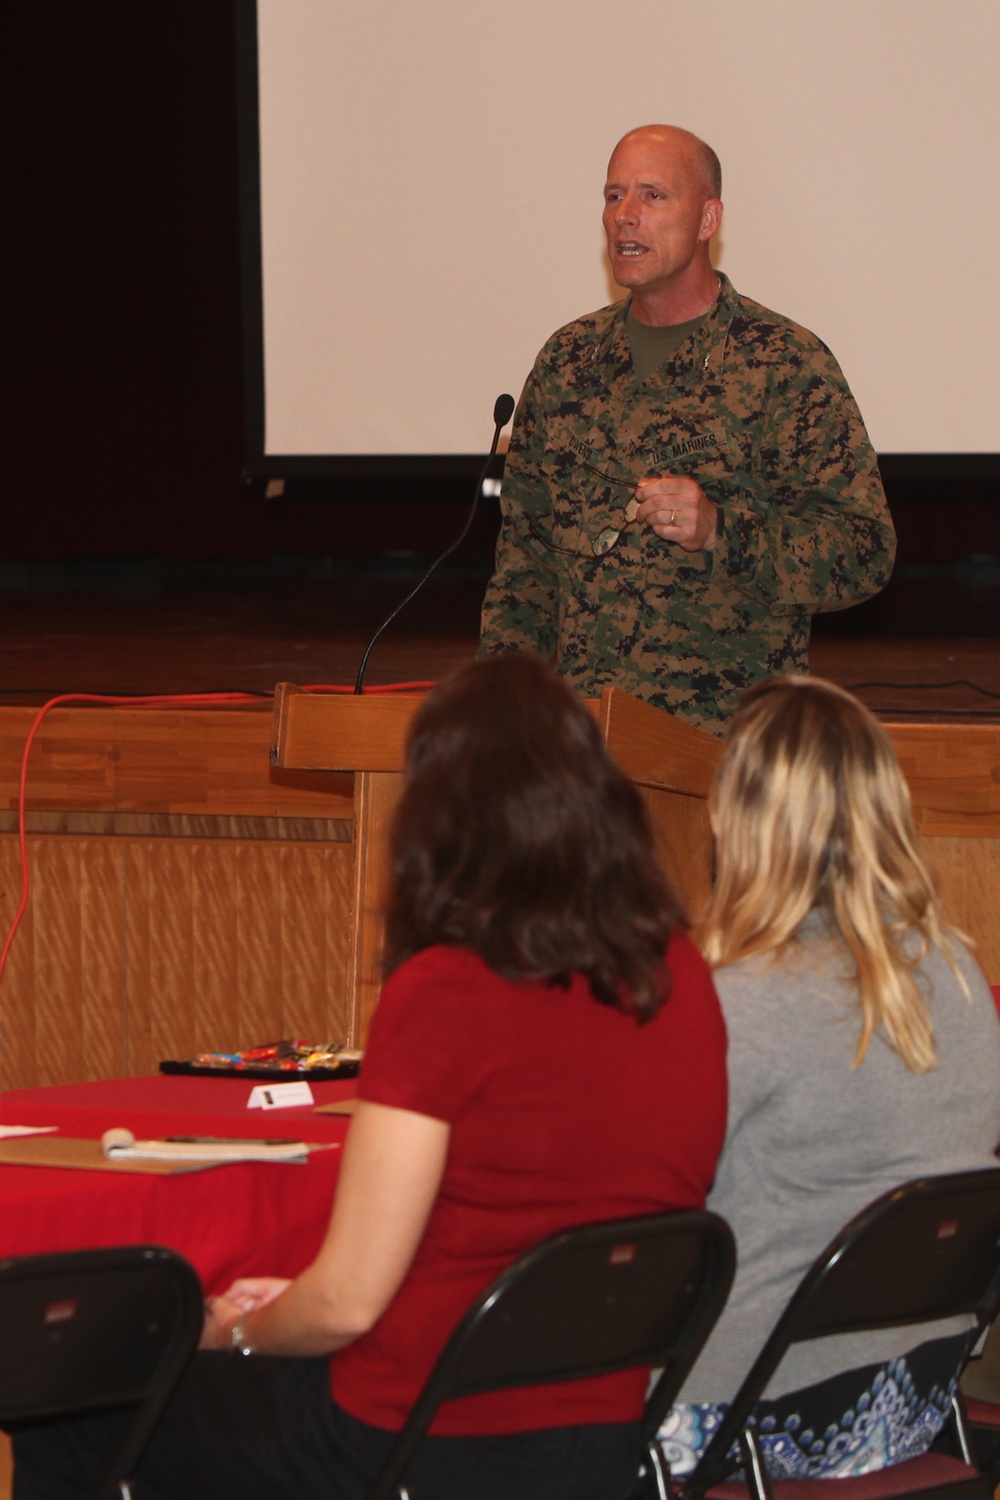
<point x="590" y="1301"/>
<point x="92" y="1330"/>
<point x="928" y="1250"/>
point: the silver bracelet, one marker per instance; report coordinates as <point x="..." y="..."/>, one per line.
<point x="238" y="1343"/>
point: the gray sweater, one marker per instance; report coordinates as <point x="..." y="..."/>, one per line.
<point x="811" y="1140"/>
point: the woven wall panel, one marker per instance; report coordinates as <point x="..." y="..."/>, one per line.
<point x="231" y="944"/>
<point x="158" y="922"/>
<point x="17" y="990"/>
<point x="258" y="940"/>
<point x="136" y="950"/>
<point x="62" y="1000"/>
<point x="101" y="963"/>
<point x="315" y="914"/>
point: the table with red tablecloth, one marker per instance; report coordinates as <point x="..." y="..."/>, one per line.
<point x="248" y="1218"/>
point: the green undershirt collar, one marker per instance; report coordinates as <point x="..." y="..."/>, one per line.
<point x="652" y="347"/>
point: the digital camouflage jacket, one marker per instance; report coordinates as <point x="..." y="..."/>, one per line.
<point x="753" y="407"/>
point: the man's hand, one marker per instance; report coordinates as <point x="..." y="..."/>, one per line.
<point x="677" y="509"/>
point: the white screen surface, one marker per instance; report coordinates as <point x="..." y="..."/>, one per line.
<point x="431" y="179"/>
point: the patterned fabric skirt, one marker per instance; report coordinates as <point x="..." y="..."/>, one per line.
<point x="850" y="1424"/>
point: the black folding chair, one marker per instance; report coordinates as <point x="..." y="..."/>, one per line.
<point x="929" y="1249"/>
<point x="589" y="1301"/>
<point x="93" y="1330"/>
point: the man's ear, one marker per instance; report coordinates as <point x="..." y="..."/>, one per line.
<point x="711" y="218"/>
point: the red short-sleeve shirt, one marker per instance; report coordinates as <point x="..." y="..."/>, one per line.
<point x="562" y="1111"/>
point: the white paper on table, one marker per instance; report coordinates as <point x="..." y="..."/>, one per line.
<point x="279" y="1095"/>
<point x="6" y="1130"/>
<point x="121" y="1145"/>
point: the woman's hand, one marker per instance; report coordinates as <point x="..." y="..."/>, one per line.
<point x="246" y="1295"/>
<point x="251" y="1292"/>
<point x="217" y="1329"/>
<point x="393" y="1164"/>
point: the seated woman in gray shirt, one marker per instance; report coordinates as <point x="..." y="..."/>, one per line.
<point x="864" y="1050"/>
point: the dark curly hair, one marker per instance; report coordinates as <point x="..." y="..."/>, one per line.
<point x="518" y="837"/>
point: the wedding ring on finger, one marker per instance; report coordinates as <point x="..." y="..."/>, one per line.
<point x="673" y="518"/>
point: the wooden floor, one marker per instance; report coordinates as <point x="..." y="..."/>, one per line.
<point x="140" y="628"/>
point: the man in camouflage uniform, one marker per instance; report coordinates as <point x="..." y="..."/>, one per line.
<point x="689" y="478"/>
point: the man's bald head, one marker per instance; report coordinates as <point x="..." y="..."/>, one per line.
<point x="701" y="156"/>
<point x="661" y="210"/>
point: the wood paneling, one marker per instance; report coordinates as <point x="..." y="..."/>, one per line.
<point x="335" y="733"/>
<point x="376" y="796"/>
<point x="181" y="913"/>
<point x="230" y="944"/>
<point x="671" y="762"/>
<point x="137" y="950"/>
<point x="347" y="734"/>
<point x="63" y="997"/>
<point x="968" y="872"/>
<point x="187" y="825"/>
<point x="134" y="949"/>
<point x="953" y="773"/>
<point x="17" y="993"/>
<point x="209" y="761"/>
<point x="683" y="842"/>
<point x="313" y="952"/>
<point x="98" y="980"/>
<point x="652" y="747"/>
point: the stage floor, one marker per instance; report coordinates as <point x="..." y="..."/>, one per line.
<point x="143" y="627"/>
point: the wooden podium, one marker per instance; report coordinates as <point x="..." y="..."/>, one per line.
<point x="188" y="895"/>
<point x="953" y="772"/>
<point x="364" y="737"/>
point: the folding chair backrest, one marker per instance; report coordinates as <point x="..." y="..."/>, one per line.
<point x="929" y="1249"/>
<point x="96" y="1328"/>
<point x="592" y="1300"/>
<point x="529" y="1330"/>
<point x="939" y="1235"/>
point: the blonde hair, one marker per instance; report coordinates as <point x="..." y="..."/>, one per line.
<point x="810" y="808"/>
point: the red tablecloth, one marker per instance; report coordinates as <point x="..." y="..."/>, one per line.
<point x="251" y="1218"/>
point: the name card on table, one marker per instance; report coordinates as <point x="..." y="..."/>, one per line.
<point x="280" y="1095"/>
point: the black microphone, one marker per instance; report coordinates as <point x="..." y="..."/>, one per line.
<point x="503" y="410"/>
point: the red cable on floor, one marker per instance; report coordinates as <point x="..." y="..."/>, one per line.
<point x="146" y="701"/>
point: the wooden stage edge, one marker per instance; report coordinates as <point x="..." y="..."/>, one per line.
<point x="187" y="894"/>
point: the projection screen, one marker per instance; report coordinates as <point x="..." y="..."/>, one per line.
<point x="430" y="181"/>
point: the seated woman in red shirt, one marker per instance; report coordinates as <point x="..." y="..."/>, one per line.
<point x="548" y="1050"/>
